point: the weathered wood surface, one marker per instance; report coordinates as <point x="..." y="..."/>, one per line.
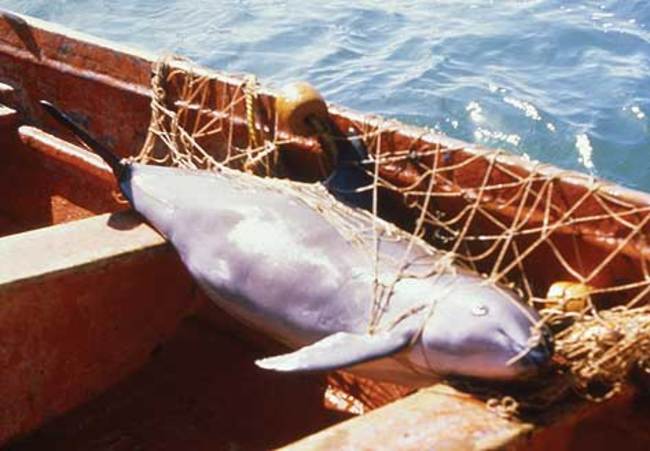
<point x="438" y="417"/>
<point x="200" y="391"/>
<point x="82" y="305"/>
<point x="444" y="419"/>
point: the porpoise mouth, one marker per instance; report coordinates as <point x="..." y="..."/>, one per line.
<point x="535" y="358"/>
<point x="538" y="357"/>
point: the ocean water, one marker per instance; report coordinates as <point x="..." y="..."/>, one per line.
<point x="565" y="82"/>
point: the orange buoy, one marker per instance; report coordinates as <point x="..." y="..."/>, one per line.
<point x="568" y="296"/>
<point x="301" y="109"/>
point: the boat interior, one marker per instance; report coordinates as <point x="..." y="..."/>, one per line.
<point x="105" y="341"/>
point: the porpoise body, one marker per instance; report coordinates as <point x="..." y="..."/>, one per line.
<point x="311" y="277"/>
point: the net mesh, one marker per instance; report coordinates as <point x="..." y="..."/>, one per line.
<point x="574" y="247"/>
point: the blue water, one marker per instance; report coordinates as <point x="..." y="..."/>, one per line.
<point x="564" y="82"/>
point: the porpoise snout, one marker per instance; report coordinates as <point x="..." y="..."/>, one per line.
<point x="538" y="356"/>
<point x="479" y="330"/>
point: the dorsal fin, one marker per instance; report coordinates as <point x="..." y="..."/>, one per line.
<point x="349" y="177"/>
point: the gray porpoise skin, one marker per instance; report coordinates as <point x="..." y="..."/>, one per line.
<point x="269" y="259"/>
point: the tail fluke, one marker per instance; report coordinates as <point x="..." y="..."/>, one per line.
<point x="116" y="165"/>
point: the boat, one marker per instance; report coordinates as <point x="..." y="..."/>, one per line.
<point x="105" y="341"/>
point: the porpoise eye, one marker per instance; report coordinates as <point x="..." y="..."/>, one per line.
<point x="480" y="310"/>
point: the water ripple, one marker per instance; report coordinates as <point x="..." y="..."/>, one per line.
<point x="561" y="81"/>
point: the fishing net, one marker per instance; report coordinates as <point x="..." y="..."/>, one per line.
<point x="573" y="246"/>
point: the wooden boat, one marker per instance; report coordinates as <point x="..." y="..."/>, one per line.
<point x="105" y="342"/>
